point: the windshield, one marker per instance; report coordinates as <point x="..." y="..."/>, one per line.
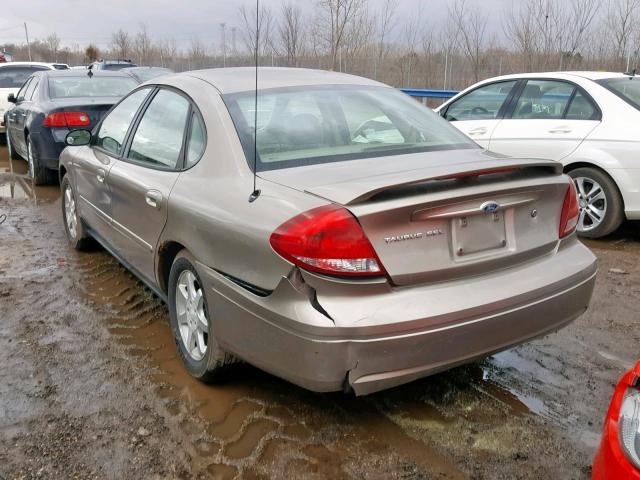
<point x="85" y="86"/>
<point x="117" y="66"/>
<point x="321" y="124"/>
<point x="627" y="88"/>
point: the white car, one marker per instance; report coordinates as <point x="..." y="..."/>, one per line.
<point x="12" y="77"/>
<point x="589" y="121"/>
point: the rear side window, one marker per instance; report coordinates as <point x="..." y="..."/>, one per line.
<point x="543" y="99"/>
<point x="14" y="77"/>
<point x="196" y="142"/>
<point x="33" y="84"/>
<point x="115" y="125"/>
<point x="483" y="103"/>
<point x="158" y="138"/>
<point x="581" y="108"/>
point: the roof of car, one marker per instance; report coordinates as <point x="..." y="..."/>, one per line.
<point x="84" y="73"/>
<point x="242" y="79"/>
<point x="26" y="64"/>
<point x="561" y="75"/>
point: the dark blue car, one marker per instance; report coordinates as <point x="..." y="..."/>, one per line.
<point x="49" y="105"/>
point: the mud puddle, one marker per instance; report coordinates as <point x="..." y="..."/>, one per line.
<point x="15" y="182"/>
<point x="255" y="424"/>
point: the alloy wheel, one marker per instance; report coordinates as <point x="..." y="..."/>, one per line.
<point x="192" y="319"/>
<point x="592" y="203"/>
<point x="70" y="212"/>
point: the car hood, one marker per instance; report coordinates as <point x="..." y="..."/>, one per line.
<point x="355" y="181"/>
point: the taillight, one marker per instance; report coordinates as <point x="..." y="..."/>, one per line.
<point x="67" y="119"/>
<point x="570" y="211"/>
<point x="327" y="240"/>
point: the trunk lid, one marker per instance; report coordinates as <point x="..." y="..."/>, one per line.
<point x="433" y="219"/>
<point x="95" y="108"/>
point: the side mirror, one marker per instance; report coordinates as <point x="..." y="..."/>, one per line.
<point x="78" y="138"/>
<point x="11" y="98"/>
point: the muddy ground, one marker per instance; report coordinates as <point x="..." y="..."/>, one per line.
<point x="91" y="387"/>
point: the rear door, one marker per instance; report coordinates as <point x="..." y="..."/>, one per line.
<point x="140" y="182"/>
<point x="548" y="119"/>
<point x="478" y="112"/>
<point x="92" y="167"/>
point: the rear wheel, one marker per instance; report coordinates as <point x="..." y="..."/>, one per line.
<point x="3" y="138"/>
<point x="191" y="322"/>
<point x="600" y="203"/>
<point x="40" y="174"/>
<point x="73" y="227"/>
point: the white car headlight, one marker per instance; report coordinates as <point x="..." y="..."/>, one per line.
<point x="629" y="426"/>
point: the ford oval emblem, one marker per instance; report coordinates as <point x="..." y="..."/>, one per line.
<point x="490" y="207"/>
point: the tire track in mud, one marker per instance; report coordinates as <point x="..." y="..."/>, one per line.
<point x="253" y="425"/>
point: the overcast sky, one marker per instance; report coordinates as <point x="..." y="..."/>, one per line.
<point x="82" y="21"/>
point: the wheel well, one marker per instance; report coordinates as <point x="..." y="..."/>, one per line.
<point x="62" y="172"/>
<point x="574" y="166"/>
<point x="166" y="254"/>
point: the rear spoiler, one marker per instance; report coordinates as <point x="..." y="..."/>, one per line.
<point x="359" y="191"/>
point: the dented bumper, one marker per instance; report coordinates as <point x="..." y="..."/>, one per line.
<point x="372" y="336"/>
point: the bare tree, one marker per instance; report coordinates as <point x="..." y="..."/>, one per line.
<point x="621" y="21"/>
<point x="142" y="46"/>
<point x="53" y="44"/>
<point x="91" y="53"/>
<point x="520" y="30"/>
<point x="291" y="32"/>
<point x="197" y="54"/>
<point x="472" y="26"/>
<point x="337" y="18"/>
<point x="264" y="33"/>
<point x="385" y="23"/>
<point x="121" y="44"/>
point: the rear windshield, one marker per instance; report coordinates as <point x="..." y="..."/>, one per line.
<point x="14" y="77"/>
<point x="117" y="66"/>
<point x="321" y="124"/>
<point x="627" y="88"/>
<point x="145" y="74"/>
<point x="85" y="86"/>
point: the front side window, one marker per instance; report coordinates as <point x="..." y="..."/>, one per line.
<point x="14" y="77"/>
<point x="320" y="124"/>
<point x="86" y="86"/>
<point x="33" y="84"/>
<point x="114" y="127"/>
<point x="627" y="88"/>
<point x="23" y="91"/>
<point x="483" y="103"/>
<point x="158" y="138"/>
<point x="543" y="99"/>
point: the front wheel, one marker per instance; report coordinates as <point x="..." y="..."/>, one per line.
<point x="191" y="322"/>
<point x="600" y="203"/>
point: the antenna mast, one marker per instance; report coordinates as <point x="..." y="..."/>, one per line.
<point x="256" y="193"/>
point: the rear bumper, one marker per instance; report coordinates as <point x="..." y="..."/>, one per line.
<point x="49" y="144"/>
<point x="285" y="335"/>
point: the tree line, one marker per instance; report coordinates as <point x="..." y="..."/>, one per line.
<point x="376" y="40"/>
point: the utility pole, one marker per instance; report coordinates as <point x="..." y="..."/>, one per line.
<point x="223" y="26"/>
<point x="234" y="50"/>
<point x="26" y="34"/>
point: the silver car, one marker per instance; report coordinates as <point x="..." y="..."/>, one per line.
<point x="378" y="244"/>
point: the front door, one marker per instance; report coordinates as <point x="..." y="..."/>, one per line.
<point x="92" y="168"/>
<point x="549" y="120"/>
<point x="142" y="181"/>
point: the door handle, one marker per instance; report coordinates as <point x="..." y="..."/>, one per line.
<point x="100" y="174"/>
<point x="153" y="198"/>
<point x="478" y="131"/>
<point x="561" y="129"/>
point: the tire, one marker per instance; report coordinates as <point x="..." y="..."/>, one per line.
<point x="206" y="366"/>
<point x="40" y="174"/>
<point x="3" y="138"/>
<point x="13" y="155"/>
<point x="607" y="205"/>
<point x="76" y="234"/>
